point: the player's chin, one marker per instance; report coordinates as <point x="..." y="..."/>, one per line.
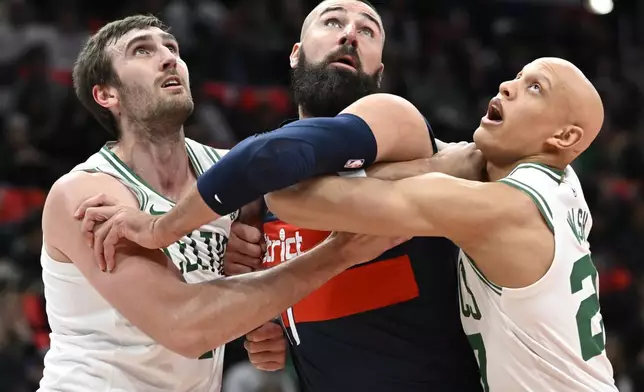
<point x="484" y="136"/>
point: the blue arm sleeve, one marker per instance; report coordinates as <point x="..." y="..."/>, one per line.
<point x="275" y="160"/>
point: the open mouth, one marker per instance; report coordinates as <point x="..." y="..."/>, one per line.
<point x="495" y="110"/>
<point x="171" y="82"/>
<point x="346" y="60"/>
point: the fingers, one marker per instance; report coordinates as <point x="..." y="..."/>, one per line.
<point x="267" y="346"/>
<point x="238" y="245"/>
<point x="231" y="269"/>
<point x="269" y="330"/>
<point x="247" y="233"/>
<point x="233" y="257"/>
<point x="269" y="366"/>
<point x="99" y="238"/>
<point x="91" y="217"/>
<point x="109" y="246"/>
<point x="96" y="201"/>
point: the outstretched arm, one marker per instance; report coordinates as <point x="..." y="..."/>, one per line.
<point x="379" y="127"/>
<point x="429" y="205"/>
<point x="189" y="319"/>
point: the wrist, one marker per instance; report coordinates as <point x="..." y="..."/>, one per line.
<point x="162" y="232"/>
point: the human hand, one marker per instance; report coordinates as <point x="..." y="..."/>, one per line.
<point x="462" y="160"/>
<point x="266" y="347"/>
<point x="105" y="224"/>
<point x="244" y="251"/>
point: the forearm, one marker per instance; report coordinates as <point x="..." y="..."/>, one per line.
<point x="278" y="159"/>
<point x="355" y="205"/>
<point x="317" y="210"/>
<point x="224" y="309"/>
<point x="190" y="213"/>
<point x="400" y="170"/>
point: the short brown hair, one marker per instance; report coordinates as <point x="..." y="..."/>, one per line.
<point x="94" y="66"/>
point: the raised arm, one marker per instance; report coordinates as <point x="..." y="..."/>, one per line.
<point x="429" y="205"/>
<point x="189" y="319"/>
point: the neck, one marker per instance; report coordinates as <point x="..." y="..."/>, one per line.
<point x="161" y="162"/>
<point x="302" y="114"/>
<point x="496" y="171"/>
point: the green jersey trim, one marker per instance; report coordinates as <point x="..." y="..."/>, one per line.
<point x="193" y="160"/>
<point x="212" y="154"/>
<point x="127" y="173"/>
<point x="536" y="197"/>
<point x="494" y="287"/>
<point x="555" y="174"/>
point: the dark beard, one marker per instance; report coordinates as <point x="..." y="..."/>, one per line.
<point x="323" y="91"/>
<point x="159" y="118"/>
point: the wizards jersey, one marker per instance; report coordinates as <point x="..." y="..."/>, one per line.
<point x="390" y="325"/>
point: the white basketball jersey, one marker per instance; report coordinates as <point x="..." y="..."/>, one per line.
<point x="548" y="336"/>
<point x="93" y="347"/>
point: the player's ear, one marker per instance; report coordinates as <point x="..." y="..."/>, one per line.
<point x="106" y="96"/>
<point x="294" y="58"/>
<point x="380" y="71"/>
<point x="566" y="138"/>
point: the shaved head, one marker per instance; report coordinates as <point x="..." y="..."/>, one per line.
<point x="320" y="8"/>
<point x="339" y="57"/>
<point x="550" y="113"/>
<point x="583" y="104"/>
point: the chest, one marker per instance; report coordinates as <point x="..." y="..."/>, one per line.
<point x="198" y="255"/>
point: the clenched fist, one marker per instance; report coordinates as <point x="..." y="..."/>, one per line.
<point x="266" y="347"/>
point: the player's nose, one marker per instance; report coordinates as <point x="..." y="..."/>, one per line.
<point x="349" y="36"/>
<point x="168" y="59"/>
<point x="506" y="89"/>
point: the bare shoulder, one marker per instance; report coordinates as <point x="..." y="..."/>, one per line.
<point x="69" y="191"/>
<point x="384" y="104"/>
<point x="66" y="195"/>
<point x="516" y="248"/>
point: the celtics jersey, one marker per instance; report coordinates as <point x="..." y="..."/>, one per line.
<point x="93" y="346"/>
<point x="548" y="336"/>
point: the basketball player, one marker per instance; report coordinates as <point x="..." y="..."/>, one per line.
<point x="528" y="287"/>
<point x="346" y="336"/>
<point x="160" y="320"/>
<point x="406" y="335"/>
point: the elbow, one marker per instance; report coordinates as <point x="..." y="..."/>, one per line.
<point x="187" y="332"/>
<point x="190" y="344"/>
<point x="186" y="349"/>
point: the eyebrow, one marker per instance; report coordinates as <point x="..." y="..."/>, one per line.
<point x="146" y="37"/>
<point x="540" y="79"/>
<point x="365" y="14"/>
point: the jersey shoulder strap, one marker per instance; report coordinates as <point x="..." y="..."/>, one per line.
<point x="539" y="182"/>
<point x="105" y="161"/>
<point x="203" y="155"/>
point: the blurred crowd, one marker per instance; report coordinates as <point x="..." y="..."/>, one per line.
<point x="447" y="57"/>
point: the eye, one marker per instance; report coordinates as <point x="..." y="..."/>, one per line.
<point x="173" y="48"/>
<point x="536" y="87"/>
<point x="141" y="50"/>
<point x="333" y="22"/>
<point x="367" y="31"/>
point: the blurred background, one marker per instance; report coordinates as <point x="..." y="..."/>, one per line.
<point x="446" y="56"/>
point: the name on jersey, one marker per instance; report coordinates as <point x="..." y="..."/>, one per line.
<point x="578" y="222"/>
